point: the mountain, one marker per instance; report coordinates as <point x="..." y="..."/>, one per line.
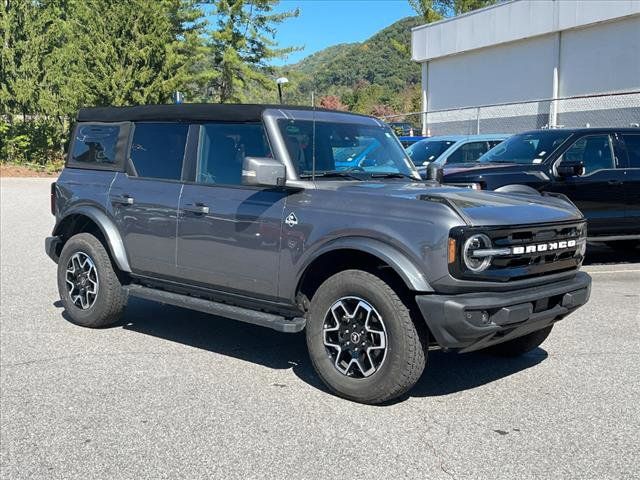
<point x="366" y="76"/>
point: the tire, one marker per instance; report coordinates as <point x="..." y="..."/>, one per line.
<point x="521" y="345"/>
<point x="102" y="309"/>
<point x="397" y="367"/>
<point x="623" y="245"/>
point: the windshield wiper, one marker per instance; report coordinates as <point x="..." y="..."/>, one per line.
<point x="333" y="173"/>
<point x="394" y="175"/>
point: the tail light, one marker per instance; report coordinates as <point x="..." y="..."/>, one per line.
<point x="53" y="198"/>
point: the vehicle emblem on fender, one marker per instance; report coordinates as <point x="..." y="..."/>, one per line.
<point x="291" y="220"/>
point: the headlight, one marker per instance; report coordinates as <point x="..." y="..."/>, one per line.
<point x="476" y="252"/>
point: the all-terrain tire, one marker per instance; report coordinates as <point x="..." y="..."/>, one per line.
<point x="521" y="345"/>
<point x="406" y="341"/>
<point x="110" y="300"/>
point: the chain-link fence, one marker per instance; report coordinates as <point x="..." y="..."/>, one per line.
<point x="603" y="110"/>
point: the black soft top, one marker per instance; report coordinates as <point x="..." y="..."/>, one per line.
<point x="221" y="112"/>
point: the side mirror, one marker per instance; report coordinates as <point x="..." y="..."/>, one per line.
<point x="570" y="168"/>
<point x="435" y="172"/>
<point x="259" y="171"/>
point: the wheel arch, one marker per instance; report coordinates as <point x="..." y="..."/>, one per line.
<point x="87" y="218"/>
<point x="357" y="252"/>
<point x="518" y="188"/>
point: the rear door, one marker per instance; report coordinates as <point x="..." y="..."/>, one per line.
<point x="631" y="142"/>
<point x="229" y="233"/>
<point x="600" y="192"/>
<point x="145" y="198"/>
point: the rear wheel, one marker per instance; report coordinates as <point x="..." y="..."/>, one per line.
<point x="88" y="285"/>
<point x="521" y="345"/>
<point x="362" y="340"/>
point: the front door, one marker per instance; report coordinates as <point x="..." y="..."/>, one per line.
<point x="599" y="193"/>
<point x="632" y="181"/>
<point x="229" y="234"/>
<point x="145" y="199"/>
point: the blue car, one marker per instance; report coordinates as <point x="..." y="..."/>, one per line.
<point x="451" y="149"/>
<point x="408" y="141"/>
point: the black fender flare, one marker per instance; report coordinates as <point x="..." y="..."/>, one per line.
<point x="108" y="228"/>
<point x="397" y="260"/>
<point x="520" y="189"/>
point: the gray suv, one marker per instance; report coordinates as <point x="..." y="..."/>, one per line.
<point x="249" y="212"/>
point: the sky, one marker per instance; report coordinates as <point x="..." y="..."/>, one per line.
<point x="323" y="23"/>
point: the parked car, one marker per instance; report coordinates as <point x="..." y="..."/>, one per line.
<point x="451" y="149"/>
<point x="407" y="141"/>
<point x="240" y="211"/>
<point x="597" y="168"/>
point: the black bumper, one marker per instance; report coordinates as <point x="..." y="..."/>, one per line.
<point x="477" y="320"/>
<point x="51" y="247"/>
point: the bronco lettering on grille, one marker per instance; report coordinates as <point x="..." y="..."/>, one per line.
<point x="543" y="247"/>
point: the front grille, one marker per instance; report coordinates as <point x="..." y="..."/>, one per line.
<point x="515" y="266"/>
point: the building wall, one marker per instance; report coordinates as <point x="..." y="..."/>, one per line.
<point x="601" y="58"/>
<point x="512" y="72"/>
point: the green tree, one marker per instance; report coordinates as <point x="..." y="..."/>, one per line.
<point x="242" y="44"/>
<point x="434" y="10"/>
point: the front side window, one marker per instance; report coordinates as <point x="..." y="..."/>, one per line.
<point x="157" y="150"/>
<point x="426" y="151"/>
<point x="526" y="148"/>
<point x="222" y="148"/>
<point x="632" y="142"/>
<point x="594" y="151"/>
<point x="323" y="148"/>
<point x="94" y="145"/>
<point x="469" y="152"/>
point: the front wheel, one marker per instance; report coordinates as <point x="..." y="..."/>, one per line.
<point x="362" y="340"/>
<point x="88" y="285"/>
<point x="521" y="345"/>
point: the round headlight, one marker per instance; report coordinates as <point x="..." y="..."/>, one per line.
<point x="476" y="242"/>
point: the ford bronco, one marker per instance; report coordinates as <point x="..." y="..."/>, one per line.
<point x="240" y="211"/>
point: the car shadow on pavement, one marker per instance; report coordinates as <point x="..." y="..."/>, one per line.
<point x="446" y="373"/>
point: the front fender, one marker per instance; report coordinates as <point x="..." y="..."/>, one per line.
<point x="401" y="264"/>
<point x="108" y="229"/>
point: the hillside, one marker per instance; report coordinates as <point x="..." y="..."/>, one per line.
<point x="372" y="75"/>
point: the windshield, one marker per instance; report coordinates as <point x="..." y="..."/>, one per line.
<point x="526" y="148"/>
<point x="426" y="151"/>
<point x="364" y="151"/>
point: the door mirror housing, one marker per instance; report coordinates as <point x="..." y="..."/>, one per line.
<point x="570" y="168"/>
<point x="263" y="172"/>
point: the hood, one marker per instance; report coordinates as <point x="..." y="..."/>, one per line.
<point x="476" y="208"/>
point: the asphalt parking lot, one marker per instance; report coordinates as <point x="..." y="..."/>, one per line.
<point x="177" y="394"/>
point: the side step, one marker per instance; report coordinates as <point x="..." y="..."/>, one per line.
<point x="269" y="320"/>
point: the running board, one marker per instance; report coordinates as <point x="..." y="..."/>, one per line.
<point x="269" y="320"/>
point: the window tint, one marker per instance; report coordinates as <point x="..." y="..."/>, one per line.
<point x="469" y="152"/>
<point x="223" y="147"/>
<point x="594" y="151"/>
<point x="526" y="148"/>
<point x="95" y="144"/>
<point x="632" y="142"/>
<point x="157" y="149"/>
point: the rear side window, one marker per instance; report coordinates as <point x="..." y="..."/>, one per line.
<point x="632" y="142"/>
<point x="98" y="146"/>
<point x="157" y="150"/>
<point x="469" y="152"/>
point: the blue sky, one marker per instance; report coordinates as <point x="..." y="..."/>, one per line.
<point x="323" y="23"/>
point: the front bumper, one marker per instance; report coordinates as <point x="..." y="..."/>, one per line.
<point x="51" y="247"/>
<point x="477" y="320"/>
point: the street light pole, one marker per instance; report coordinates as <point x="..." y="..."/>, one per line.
<point x="281" y="81"/>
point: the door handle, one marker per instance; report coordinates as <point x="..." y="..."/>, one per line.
<point x="123" y="199"/>
<point x="615" y="182"/>
<point x="199" y="208"/>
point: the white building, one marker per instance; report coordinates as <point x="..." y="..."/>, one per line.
<point x="529" y="50"/>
